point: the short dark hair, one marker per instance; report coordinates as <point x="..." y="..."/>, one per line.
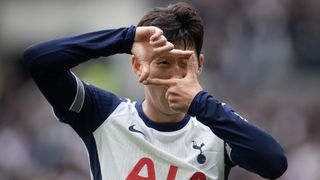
<point x="180" y="23"/>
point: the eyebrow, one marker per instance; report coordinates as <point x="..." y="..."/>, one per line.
<point x="171" y="58"/>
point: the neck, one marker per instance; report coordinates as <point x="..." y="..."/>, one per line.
<point x="158" y="116"/>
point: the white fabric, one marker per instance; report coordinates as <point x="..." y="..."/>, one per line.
<point x="119" y="149"/>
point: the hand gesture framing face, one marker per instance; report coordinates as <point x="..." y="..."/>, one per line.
<point x="150" y="43"/>
<point x="180" y="91"/>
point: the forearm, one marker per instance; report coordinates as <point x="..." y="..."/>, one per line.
<point x="62" y="54"/>
<point x="49" y="62"/>
<point x="252" y="148"/>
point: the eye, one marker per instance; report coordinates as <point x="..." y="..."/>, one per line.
<point x="163" y="62"/>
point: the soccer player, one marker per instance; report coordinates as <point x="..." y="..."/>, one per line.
<point x="178" y="131"/>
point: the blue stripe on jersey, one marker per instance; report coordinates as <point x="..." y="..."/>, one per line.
<point x="165" y="127"/>
<point x="93" y="157"/>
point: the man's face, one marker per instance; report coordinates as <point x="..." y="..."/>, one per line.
<point x="165" y="67"/>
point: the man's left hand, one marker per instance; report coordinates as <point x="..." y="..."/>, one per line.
<point x="180" y="92"/>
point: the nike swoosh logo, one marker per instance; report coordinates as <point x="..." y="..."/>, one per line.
<point x="132" y="129"/>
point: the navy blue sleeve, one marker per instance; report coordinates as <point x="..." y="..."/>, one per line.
<point x="83" y="106"/>
<point x="251" y="147"/>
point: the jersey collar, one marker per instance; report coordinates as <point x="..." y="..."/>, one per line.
<point x="165" y="127"/>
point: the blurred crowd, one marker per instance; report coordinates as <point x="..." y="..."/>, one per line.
<point x="261" y="57"/>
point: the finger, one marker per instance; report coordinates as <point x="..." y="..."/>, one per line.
<point x="167" y="95"/>
<point x="180" y="53"/>
<point x="163" y="49"/>
<point x="159" y="82"/>
<point x="170" y="92"/>
<point x="192" y="66"/>
<point x="170" y="98"/>
<point x="144" y="72"/>
<point x="156" y="34"/>
<point x="161" y="41"/>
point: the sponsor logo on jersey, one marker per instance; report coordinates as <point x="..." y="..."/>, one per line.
<point x="151" y="171"/>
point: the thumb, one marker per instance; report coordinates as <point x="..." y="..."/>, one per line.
<point x="144" y="71"/>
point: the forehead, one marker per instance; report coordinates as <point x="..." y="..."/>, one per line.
<point x="184" y="45"/>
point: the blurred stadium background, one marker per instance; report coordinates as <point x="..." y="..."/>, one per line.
<point x="262" y="57"/>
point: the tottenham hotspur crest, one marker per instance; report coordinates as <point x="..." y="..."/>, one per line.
<point x="201" y="158"/>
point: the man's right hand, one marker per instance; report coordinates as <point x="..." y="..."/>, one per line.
<point x="149" y="42"/>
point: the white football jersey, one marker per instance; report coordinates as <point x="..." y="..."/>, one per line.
<point x="127" y="148"/>
<point x="127" y="145"/>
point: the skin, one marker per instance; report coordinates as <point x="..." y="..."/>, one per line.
<point x="170" y="76"/>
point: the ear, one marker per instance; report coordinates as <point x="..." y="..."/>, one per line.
<point x="201" y="61"/>
<point x="136" y="66"/>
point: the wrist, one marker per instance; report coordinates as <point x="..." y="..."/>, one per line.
<point x="193" y="108"/>
<point x="129" y="39"/>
